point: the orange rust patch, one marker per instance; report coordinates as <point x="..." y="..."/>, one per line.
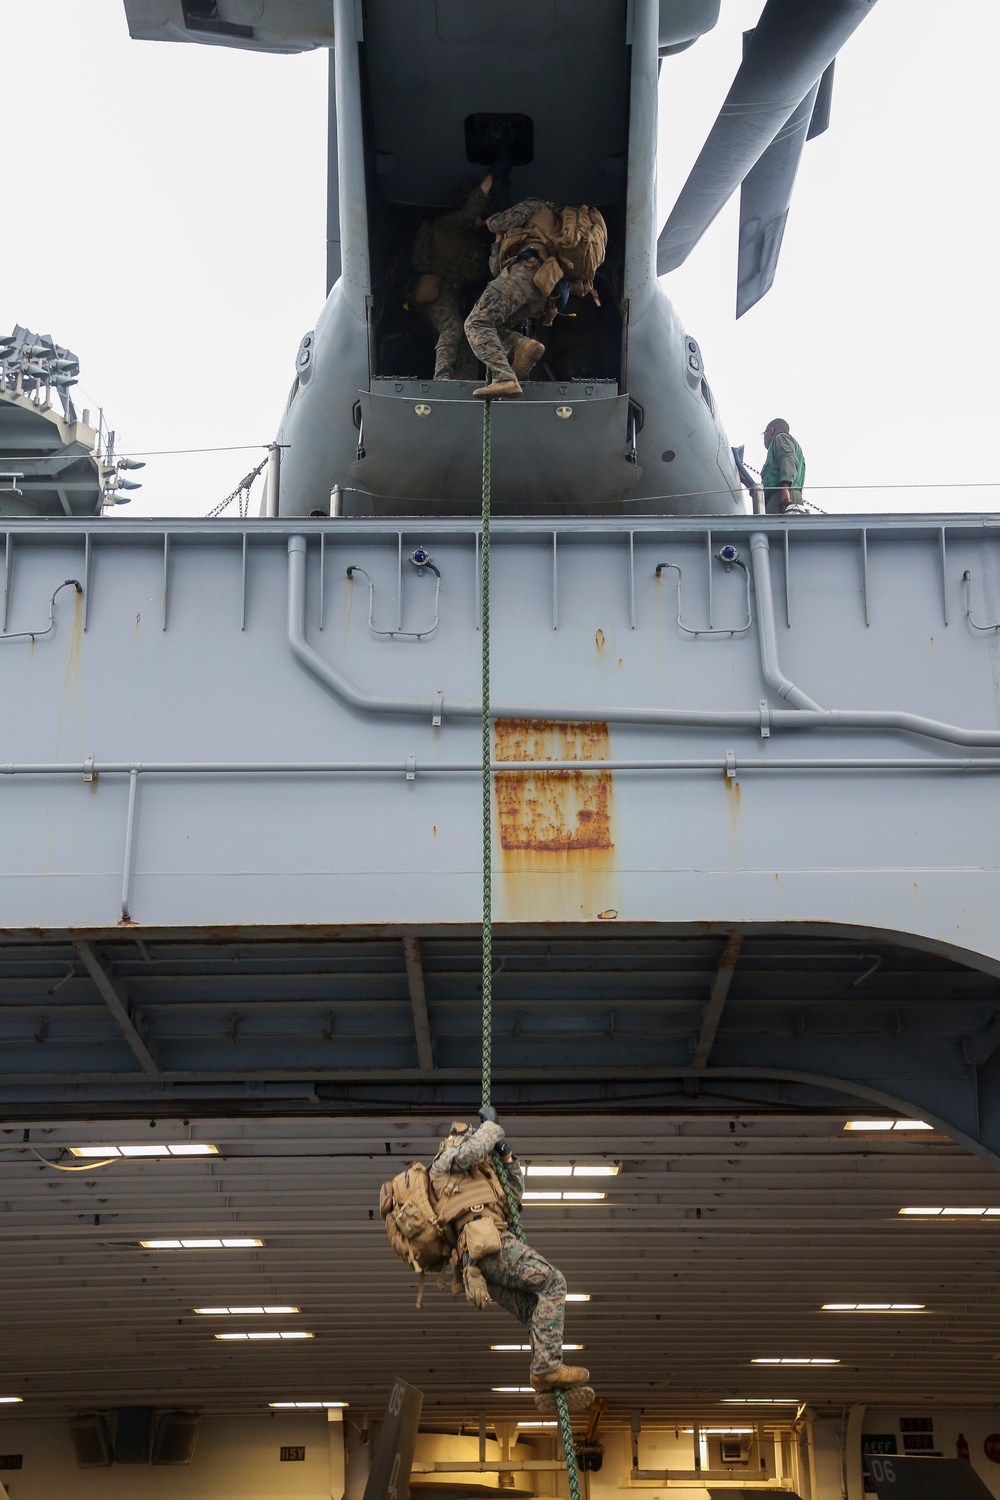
<point x="553" y="811"/>
<point x="599" y="640"/>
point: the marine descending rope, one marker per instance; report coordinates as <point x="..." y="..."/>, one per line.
<point x="565" y="1426"/>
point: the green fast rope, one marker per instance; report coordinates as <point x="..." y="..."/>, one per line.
<point x="569" y="1450"/>
<point x="565" y="1426"/>
<point x="484" y="596"/>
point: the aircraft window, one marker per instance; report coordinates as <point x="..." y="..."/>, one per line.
<point x="499" y="140"/>
<point x="709" y="399"/>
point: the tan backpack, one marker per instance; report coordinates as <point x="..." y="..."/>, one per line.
<point x="575" y="241"/>
<point x="432" y="1226"/>
<point x="580" y="243"/>
<point x="415" y="1232"/>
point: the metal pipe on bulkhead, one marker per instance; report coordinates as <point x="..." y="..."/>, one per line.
<point x="328" y="675"/>
<point x="807" y="717"/>
<point x="767" y="635"/>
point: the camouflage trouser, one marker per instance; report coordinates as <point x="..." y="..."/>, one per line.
<point x="452" y="355"/>
<point x="493" y="325"/>
<point x="523" y="1283"/>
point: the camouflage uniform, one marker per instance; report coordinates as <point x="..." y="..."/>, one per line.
<point x="493" y="325"/>
<point x="452" y="355"/>
<point x="520" y="1280"/>
<point x="456" y="254"/>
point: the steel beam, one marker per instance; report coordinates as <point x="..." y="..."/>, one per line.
<point x="117" y="1005"/>
<point x="728" y="960"/>
<point x="418" y="1002"/>
<point x="980" y="1049"/>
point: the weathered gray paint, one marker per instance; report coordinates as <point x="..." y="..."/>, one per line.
<point x="112" y="683"/>
<point x="269" y="800"/>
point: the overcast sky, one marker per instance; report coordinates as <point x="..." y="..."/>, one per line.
<point x="164" y="217"/>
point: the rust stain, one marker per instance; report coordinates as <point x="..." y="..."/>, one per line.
<point x="72" y="671"/>
<point x="619" y="661"/>
<point x="434" y="829"/>
<point x="553" y="886"/>
<point x="347" y="606"/>
<point x="553" y="811"/>
<point x="599" y="640"/>
<point x="734" y="798"/>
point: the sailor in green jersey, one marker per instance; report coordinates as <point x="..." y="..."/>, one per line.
<point x="784" y="471"/>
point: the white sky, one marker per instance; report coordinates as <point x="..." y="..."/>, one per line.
<point x="164" y="217"/>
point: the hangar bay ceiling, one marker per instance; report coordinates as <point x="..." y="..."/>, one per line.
<point x="740" y="1207"/>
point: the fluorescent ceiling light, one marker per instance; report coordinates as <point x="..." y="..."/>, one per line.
<point x="257" y="1337"/>
<point x="759" y="1401"/>
<point x="722" y="1431"/>
<point x="577" y="1169"/>
<point x="887" y="1125"/>
<point x="562" y="1197"/>
<point x="864" y="1307"/>
<point x="11" y="1400"/>
<point x="951" y="1213"/>
<point x="525" y="1349"/>
<point x="795" y="1361"/>
<point x="181" y="1148"/>
<point x="577" y="1296"/>
<point x="213" y="1244"/>
<point x="538" y="1424"/>
<point x="308" y="1405"/>
<point x="514" y="1390"/>
<point x="221" y="1312"/>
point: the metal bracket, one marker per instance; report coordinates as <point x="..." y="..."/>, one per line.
<point x="765" y="719"/>
<point x="88" y="768"/>
<point x="730" y="765"/>
<point x="411" y="767"/>
<point x="437" y="710"/>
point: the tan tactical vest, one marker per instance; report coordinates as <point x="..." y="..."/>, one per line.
<point x="463" y="1196"/>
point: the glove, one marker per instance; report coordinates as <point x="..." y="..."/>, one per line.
<point x="489" y="1113"/>
<point x="476" y="1290"/>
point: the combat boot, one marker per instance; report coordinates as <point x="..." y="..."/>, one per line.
<point x="511" y="387"/>
<point x="557" y="1380"/>
<point x="526" y="356"/>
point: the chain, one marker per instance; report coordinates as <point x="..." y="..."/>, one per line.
<point x="242" y="492"/>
